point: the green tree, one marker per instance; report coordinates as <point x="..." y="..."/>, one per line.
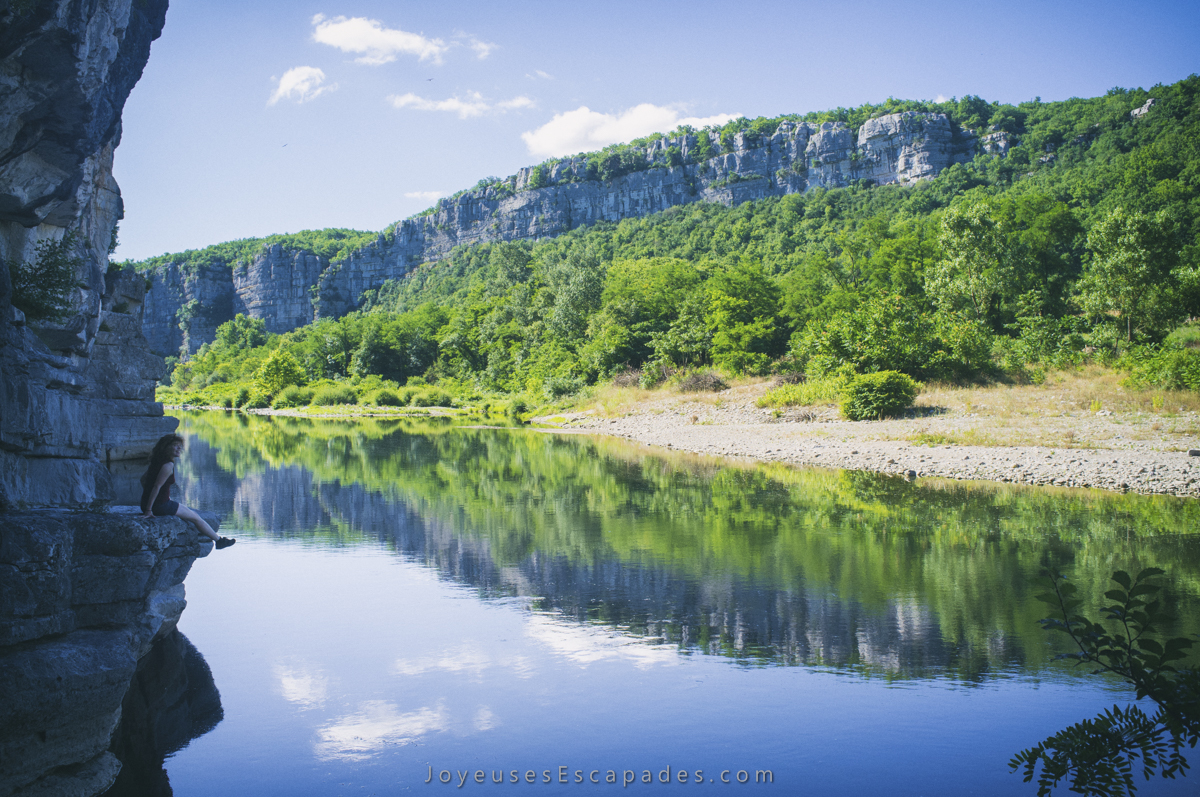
<point x="1133" y="255"/>
<point x="976" y="262"/>
<point x="278" y="371"/>
<point x="242" y="332"/>
<point x="743" y="306"/>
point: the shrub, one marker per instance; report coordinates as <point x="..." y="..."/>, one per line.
<point x="258" y="399"/>
<point x="517" y="407"/>
<point x="872" y="396"/>
<point x="627" y="377"/>
<point x="432" y="397"/>
<point x="42" y="289"/>
<point x="1168" y="368"/>
<point x="385" y="397"/>
<point x="332" y="395"/>
<point x="243" y="395"/>
<point x="1186" y="336"/>
<point x="558" y="386"/>
<point x="702" y="382"/>
<point x="654" y="373"/>
<point x="805" y="394"/>
<point x="293" y="396"/>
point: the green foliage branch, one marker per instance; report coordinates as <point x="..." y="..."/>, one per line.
<point x="1098" y="756"/>
<point x="41" y="287"/>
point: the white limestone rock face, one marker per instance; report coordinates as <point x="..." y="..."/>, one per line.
<point x="277" y="286"/>
<point x="904" y="147"/>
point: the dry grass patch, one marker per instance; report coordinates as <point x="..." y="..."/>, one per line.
<point x="1089" y="389"/>
<point x="962" y="437"/>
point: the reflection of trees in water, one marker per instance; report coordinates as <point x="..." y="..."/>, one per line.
<point x="171" y="701"/>
<point x="754" y="562"/>
<point x="720" y="614"/>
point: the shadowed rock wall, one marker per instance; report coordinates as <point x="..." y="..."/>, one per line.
<point x="77" y="393"/>
<point x="83" y="596"/>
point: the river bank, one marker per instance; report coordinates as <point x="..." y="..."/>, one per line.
<point x="1012" y="440"/>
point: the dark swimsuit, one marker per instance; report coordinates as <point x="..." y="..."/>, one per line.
<point x="163" y="505"/>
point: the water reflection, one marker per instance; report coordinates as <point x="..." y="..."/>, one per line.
<point x="171" y="701"/>
<point x="764" y="564"/>
<point x="376" y="725"/>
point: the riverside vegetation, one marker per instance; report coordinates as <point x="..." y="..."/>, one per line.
<point x="1078" y="246"/>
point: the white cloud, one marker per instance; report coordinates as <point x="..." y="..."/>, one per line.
<point x="941" y="98"/>
<point x="537" y="73"/>
<point x="377" y="44"/>
<point x="515" y="102"/>
<point x="301" y="82"/>
<point x="473" y="104"/>
<point x="428" y="196"/>
<point x="584" y="129"/>
<point x="482" y="49"/>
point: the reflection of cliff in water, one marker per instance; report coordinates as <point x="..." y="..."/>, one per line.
<point x="717" y="613"/>
<point x="171" y="701"/>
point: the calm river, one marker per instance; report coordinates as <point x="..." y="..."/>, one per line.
<point x="410" y="602"/>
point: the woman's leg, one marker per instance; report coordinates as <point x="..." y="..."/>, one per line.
<point x="197" y="521"/>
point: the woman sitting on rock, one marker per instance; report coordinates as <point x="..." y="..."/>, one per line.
<point x="156" y="489"/>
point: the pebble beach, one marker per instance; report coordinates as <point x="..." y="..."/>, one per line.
<point x="1125" y="452"/>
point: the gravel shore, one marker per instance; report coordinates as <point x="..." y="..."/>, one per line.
<point x="1133" y="452"/>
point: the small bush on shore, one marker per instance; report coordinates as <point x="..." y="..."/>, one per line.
<point x="432" y="397"/>
<point x="292" y="396"/>
<point x="333" y="395"/>
<point x="705" y="381"/>
<point x="874" y="396"/>
<point x="385" y="398"/>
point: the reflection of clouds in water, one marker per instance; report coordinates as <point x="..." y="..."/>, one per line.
<point x="485" y="720"/>
<point x="587" y="644"/>
<point x="464" y="659"/>
<point x="305" y="689"/>
<point x="378" y="724"/>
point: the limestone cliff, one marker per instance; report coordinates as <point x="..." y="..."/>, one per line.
<point x="83" y="596"/>
<point x="78" y="393"/>
<point x="282" y="286"/>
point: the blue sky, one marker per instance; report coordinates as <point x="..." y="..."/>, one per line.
<point x="260" y="116"/>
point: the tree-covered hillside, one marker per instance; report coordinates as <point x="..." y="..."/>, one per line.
<point x="1080" y="242"/>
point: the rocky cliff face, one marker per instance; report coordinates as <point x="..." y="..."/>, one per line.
<point x="78" y="393"/>
<point x="280" y="286"/>
<point x="83" y="596"/>
<point x="185" y="306"/>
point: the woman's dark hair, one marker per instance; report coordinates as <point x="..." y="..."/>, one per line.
<point x="160" y="456"/>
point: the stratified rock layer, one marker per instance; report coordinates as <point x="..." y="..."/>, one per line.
<point x="289" y="288"/>
<point x="83" y="596"/>
<point x="77" y="393"/>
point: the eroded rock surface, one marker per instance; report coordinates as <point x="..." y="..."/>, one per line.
<point x="83" y="596"/>
<point x="75" y="393"/>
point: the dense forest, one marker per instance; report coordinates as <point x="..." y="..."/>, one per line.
<point x="1080" y="244"/>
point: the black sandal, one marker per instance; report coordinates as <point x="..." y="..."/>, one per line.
<point x="224" y="542"/>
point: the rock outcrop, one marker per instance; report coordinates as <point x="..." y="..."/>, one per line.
<point x="282" y="287"/>
<point x="77" y="393"/>
<point x="83" y="596"/>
